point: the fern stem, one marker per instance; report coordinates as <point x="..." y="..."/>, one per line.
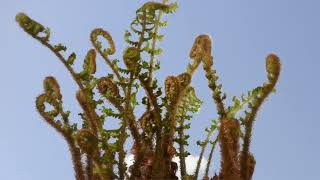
<point x="76" y="158"/>
<point x="89" y="167"/>
<point x="183" y="167"/>
<point x="122" y="139"/>
<point x="249" y="119"/>
<point x="210" y="157"/>
<point x="154" y="42"/>
<point x="62" y="59"/>
<point x="203" y="148"/>
<point x="273" y="68"/>
<point x="210" y="75"/>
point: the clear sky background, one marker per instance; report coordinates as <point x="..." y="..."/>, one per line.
<point x="286" y="134"/>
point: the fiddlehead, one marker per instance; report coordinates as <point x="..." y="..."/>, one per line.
<point x="273" y="68"/>
<point x="52" y="96"/>
<point x="110" y="90"/>
<point x="37" y="31"/>
<point x="131" y="57"/>
<point x="172" y="88"/>
<point x="89" y="68"/>
<point x="32" y="27"/>
<point x="52" y="88"/>
<point x="49" y="115"/>
<point x="98" y="45"/>
<point x="105" y="52"/>
<point x="201" y="51"/>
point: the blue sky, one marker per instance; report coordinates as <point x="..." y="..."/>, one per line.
<point x="286" y="134"/>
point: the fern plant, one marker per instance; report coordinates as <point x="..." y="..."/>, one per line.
<point x="158" y="134"/>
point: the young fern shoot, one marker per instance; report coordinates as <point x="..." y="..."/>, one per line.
<point x="99" y="153"/>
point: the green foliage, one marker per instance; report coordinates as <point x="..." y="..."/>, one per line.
<point x="189" y="105"/>
<point x="239" y="104"/>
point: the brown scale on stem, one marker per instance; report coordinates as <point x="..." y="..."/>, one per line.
<point x="229" y="136"/>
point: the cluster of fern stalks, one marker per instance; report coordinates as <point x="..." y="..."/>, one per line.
<point x="158" y="135"/>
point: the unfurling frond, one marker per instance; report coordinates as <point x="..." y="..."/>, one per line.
<point x="32" y="27"/>
<point x="51" y="87"/>
<point x="98" y="45"/>
<point x="89" y="64"/>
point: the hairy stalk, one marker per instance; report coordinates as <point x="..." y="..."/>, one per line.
<point x="122" y="165"/>
<point x="76" y="158"/>
<point x="203" y="148"/>
<point x="89" y="111"/>
<point x="210" y="74"/>
<point x="201" y="50"/>
<point x="75" y="152"/>
<point x="183" y="167"/>
<point x="104" y="53"/>
<point x="229" y="136"/>
<point x="62" y="59"/>
<point x="89" y="167"/>
<point x="210" y="157"/>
